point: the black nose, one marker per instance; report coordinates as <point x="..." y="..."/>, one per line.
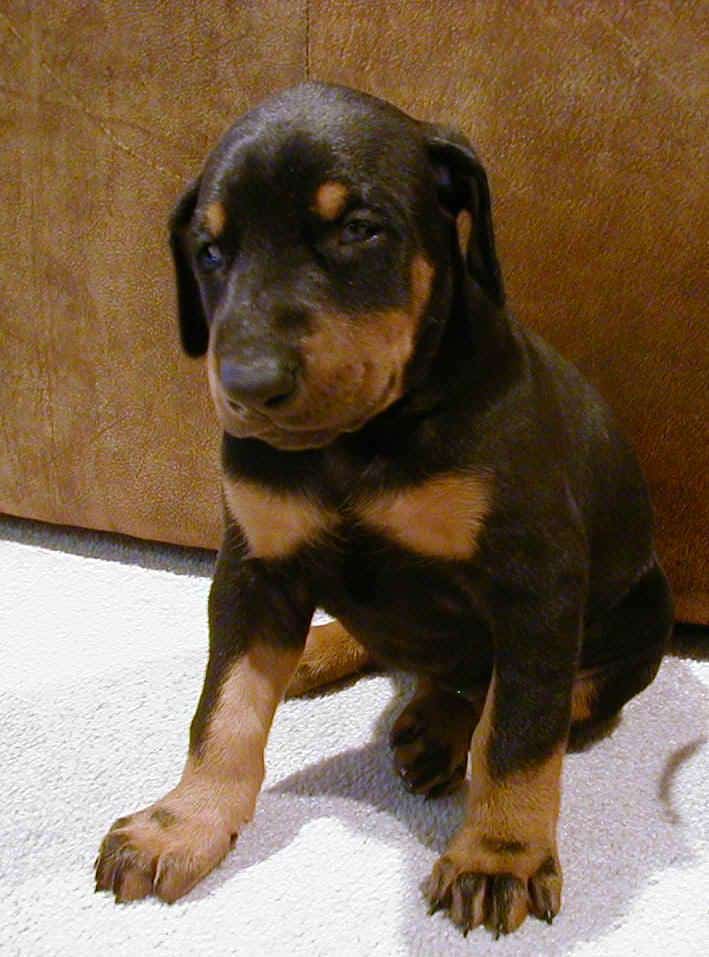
<point x="264" y="380"/>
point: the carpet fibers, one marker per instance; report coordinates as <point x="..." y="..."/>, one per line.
<point x="102" y="651"/>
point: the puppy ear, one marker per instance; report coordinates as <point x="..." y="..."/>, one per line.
<point x="194" y="333"/>
<point x="464" y="193"/>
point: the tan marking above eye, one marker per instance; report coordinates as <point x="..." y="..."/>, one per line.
<point x="274" y="524"/>
<point x="330" y="199"/>
<point x="441" y="518"/>
<point x="215" y="218"/>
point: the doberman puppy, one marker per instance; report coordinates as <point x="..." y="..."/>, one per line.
<point x="398" y="450"/>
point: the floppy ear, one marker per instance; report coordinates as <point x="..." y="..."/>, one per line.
<point x="462" y="186"/>
<point x="194" y="333"/>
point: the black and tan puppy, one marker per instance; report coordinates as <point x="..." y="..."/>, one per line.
<point x="400" y="451"/>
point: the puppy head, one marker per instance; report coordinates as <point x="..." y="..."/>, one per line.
<point x="314" y="254"/>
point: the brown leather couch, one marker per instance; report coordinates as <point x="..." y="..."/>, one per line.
<point x="590" y="116"/>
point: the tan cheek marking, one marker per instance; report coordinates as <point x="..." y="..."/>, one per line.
<point x="229" y="769"/>
<point x="215" y="218"/>
<point x="422" y="273"/>
<point x="464" y="226"/>
<point x="352" y="363"/>
<point x="441" y="518"/>
<point x="274" y="525"/>
<point x="330" y="199"/>
<point x="387" y="342"/>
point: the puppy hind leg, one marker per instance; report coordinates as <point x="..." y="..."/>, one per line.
<point x="431" y="738"/>
<point x="330" y="655"/>
<point x="636" y="631"/>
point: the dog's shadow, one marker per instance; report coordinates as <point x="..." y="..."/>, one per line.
<point x="621" y="822"/>
<point x="360" y="776"/>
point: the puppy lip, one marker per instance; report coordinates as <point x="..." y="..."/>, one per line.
<point x="289" y="440"/>
<point x="280" y="432"/>
<point x="295" y="443"/>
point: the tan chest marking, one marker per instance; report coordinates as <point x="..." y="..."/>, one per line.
<point x="275" y="525"/>
<point x="442" y="518"/>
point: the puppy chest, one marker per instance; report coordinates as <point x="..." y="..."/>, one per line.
<point x="440" y="518"/>
<point x="396" y="568"/>
<point x="423" y="616"/>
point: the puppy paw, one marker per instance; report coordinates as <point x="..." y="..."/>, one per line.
<point x="495" y="883"/>
<point x="162" y="850"/>
<point x="431" y="739"/>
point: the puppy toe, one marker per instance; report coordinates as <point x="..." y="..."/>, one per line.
<point x="508" y="904"/>
<point x="545" y="891"/>
<point x="160" y="851"/>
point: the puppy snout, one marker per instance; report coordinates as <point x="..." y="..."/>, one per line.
<point x="263" y="380"/>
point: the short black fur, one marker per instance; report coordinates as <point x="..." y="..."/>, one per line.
<point x="569" y="534"/>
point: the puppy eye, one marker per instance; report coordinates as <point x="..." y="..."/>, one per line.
<point x="210" y="258"/>
<point x="358" y="230"/>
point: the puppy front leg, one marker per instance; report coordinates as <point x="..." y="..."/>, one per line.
<point x="503" y="863"/>
<point x="258" y="619"/>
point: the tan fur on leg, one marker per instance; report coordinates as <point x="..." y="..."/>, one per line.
<point x="331" y="654"/>
<point x="169" y="846"/>
<point x="502" y="863"/>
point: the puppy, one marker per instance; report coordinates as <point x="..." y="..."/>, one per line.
<point x="398" y="450"/>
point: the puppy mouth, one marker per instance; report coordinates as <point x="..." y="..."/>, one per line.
<point x="248" y="423"/>
<point x="298" y="434"/>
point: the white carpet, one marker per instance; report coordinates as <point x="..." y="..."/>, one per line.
<point x="102" y="651"/>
